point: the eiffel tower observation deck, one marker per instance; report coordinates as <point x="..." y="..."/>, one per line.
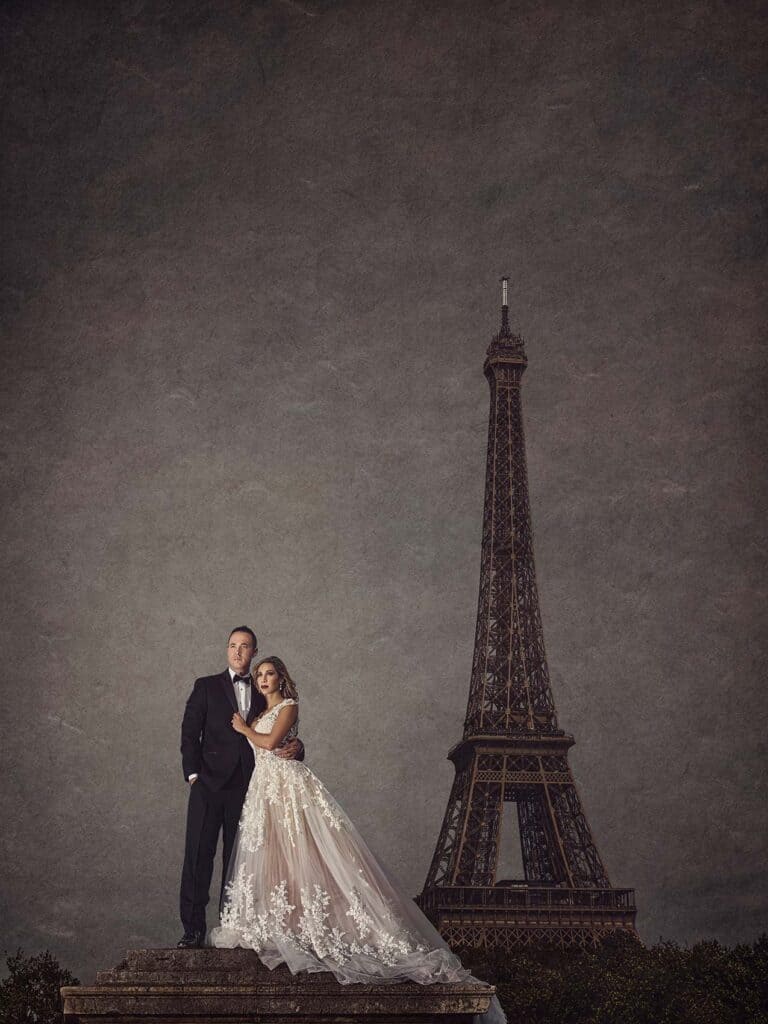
<point x="514" y="799"/>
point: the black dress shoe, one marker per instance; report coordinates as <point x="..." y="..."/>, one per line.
<point x="191" y="940"/>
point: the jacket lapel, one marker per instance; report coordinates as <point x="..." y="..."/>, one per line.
<point x="229" y="689"/>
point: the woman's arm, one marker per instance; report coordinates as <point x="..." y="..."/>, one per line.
<point x="268" y="740"/>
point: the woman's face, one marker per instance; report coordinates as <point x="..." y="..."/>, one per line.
<point x="267" y="678"/>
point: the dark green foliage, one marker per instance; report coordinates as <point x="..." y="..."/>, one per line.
<point x="624" y="982"/>
<point x="30" y="993"/>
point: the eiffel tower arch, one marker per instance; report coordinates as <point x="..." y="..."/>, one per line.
<point x="512" y="772"/>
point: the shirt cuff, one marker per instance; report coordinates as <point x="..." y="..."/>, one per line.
<point x="192" y="777"/>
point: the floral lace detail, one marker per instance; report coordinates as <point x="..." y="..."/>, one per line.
<point x="240" y="912"/>
<point x="265" y="723"/>
<point x="313" y="934"/>
<point x="285" y="787"/>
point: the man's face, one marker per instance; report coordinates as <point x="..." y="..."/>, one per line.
<point x="240" y="653"/>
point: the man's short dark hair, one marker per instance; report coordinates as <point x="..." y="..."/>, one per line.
<point x="246" y="629"/>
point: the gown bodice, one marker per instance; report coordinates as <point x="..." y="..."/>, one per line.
<point x="266" y="722"/>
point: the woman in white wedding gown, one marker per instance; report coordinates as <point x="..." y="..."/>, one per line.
<point x="302" y="886"/>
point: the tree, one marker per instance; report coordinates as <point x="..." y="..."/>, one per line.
<point x="30" y="993"/>
<point x="625" y="982"/>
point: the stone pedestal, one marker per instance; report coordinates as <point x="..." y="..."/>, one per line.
<point x="180" y="986"/>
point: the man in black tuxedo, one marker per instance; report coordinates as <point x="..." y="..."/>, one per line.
<point x="217" y="763"/>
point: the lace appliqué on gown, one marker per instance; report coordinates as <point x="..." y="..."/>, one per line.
<point x="313" y="934"/>
<point x="286" y="789"/>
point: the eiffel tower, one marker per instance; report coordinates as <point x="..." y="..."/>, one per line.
<point x="513" y="781"/>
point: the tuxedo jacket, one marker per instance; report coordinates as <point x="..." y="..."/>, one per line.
<point x="209" y="744"/>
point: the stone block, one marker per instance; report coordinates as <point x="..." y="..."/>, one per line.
<point x="216" y="986"/>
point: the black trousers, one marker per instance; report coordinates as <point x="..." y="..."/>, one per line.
<point x="207" y="813"/>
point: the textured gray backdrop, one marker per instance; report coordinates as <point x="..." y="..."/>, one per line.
<point x="251" y="261"/>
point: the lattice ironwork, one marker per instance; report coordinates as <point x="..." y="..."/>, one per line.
<point x="512" y="752"/>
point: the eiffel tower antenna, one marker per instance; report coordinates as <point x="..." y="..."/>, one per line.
<point x="504" y="308"/>
<point x="512" y="772"/>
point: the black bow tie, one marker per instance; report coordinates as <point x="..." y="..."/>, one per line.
<point x="241" y="679"/>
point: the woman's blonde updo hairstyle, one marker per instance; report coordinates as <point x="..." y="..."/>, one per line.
<point x="287" y="685"/>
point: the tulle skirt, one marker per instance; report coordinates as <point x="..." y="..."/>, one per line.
<point x="304" y="889"/>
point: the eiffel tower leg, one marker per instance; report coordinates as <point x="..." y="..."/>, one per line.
<point x="585" y="865"/>
<point x="479" y="842"/>
<point x="539" y="846"/>
<point x="443" y="864"/>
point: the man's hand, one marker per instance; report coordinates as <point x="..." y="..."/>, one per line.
<point x="292" y="749"/>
